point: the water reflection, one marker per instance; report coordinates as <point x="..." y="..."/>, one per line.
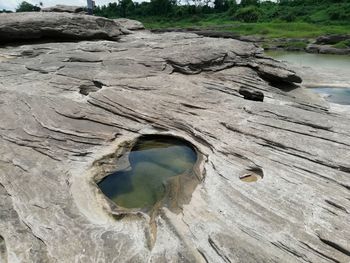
<point x="153" y="162"/>
<point x="334" y="95"/>
<point x="333" y="69"/>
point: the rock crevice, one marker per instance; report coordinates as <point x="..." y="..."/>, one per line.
<point x="94" y="95"/>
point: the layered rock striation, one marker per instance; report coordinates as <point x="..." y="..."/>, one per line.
<point x="64" y="105"/>
<point x="55" y="25"/>
<point x="65" y="8"/>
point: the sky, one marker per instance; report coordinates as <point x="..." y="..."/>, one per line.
<point x="12" y="4"/>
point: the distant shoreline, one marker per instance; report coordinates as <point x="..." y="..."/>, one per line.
<point x="269" y="44"/>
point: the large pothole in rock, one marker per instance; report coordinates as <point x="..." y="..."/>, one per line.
<point x="153" y="171"/>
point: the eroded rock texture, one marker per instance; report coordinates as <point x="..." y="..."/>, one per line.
<point x="65" y="105"/>
<point x="129" y="24"/>
<point x="55" y="25"/>
<point x="64" y="8"/>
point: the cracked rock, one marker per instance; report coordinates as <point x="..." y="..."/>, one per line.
<point x="178" y="84"/>
<point x="55" y="25"/>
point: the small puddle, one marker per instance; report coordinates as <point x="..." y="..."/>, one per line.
<point x="153" y="173"/>
<point x="334" y="94"/>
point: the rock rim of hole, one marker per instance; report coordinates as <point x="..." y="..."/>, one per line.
<point x="119" y="160"/>
<point x="252" y="172"/>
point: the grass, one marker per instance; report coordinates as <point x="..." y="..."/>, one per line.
<point x="296" y="44"/>
<point x="343" y="44"/>
<point x="288" y="45"/>
<point x="276" y="29"/>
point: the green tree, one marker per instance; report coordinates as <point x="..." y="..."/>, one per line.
<point x="5" y="11"/>
<point x="233" y="7"/>
<point x="142" y="9"/>
<point x="249" y="2"/>
<point x="221" y="5"/>
<point x="232" y="3"/>
<point x="161" y="7"/>
<point x="126" y="7"/>
<point x="249" y="14"/>
<point x="27" y="7"/>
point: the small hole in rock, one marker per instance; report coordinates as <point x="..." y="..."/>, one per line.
<point x="252" y="174"/>
<point x="250" y="94"/>
<point x="93" y="87"/>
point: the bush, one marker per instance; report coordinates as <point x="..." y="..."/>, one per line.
<point x="288" y="17"/>
<point x="265" y="46"/>
<point x="343" y="44"/>
<point x="264" y="31"/>
<point x="194" y="19"/>
<point x="339" y="12"/>
<point x="249" y="14"/>
<point x="232" y="11"/>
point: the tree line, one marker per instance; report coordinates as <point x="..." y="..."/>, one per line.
<point x="314" y="11"/>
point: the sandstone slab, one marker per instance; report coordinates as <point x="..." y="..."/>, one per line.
<point x="327" y="49"/>
<point x="129" y="24"/>
<point x="64" y="8"/>
<point x="331" y="39"/>
<point x="63" y="106"/>
<point x="53" y="25"/>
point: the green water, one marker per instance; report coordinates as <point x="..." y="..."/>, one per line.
<point x="303" y="59"/>
<point x="153" y="161"/>
<point x="335" y="95"/>
<point x="335" y="64"/>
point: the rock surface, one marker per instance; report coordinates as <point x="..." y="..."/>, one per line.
<point x="65" y="105"/>
<point x="327" y="49"/>
<point x="40" y="25"/>
<point x="324" y="45"/>
<point x="211" y="33"/>
<point x="129" y="24"/>
<point x="331" y="39"/>
<point x="64" y="8"/>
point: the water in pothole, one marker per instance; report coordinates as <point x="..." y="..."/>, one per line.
<point x="153" y="162"/>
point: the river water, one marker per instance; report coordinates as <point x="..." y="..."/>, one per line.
<point x="327" y="75"/>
